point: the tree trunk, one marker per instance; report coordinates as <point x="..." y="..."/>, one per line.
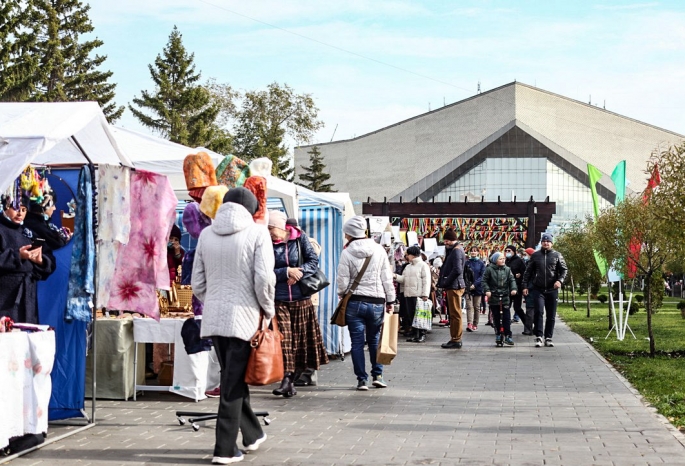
<point x="648" y="308"/>
<point x="589" y="290"/>
<point x="573" y="294"/>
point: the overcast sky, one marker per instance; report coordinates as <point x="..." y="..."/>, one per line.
<point x="369" y="64"/>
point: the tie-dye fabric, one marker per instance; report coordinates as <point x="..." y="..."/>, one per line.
<point x="141" y="264"/>
<point x="114" y="224"/>
<point x="82" y="271"/>
<point x="232" y="171"/>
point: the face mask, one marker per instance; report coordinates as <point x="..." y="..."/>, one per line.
<point x="525" y="258"/>
<point x="474" y="258"/>
<point x="170" y="245"/>
<point x="508" y="255"/>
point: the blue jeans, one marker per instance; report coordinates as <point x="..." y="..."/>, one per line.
<point x="364" y="322"/>
<point x="545" y="302"/>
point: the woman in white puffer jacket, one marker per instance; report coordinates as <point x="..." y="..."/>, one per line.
<point x="374" y="295"/>
<point x="416" y="279"/>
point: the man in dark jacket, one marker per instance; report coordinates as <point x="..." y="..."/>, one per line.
<point x="452" y="280"/>
<point x="518" y="268"/>
<point x="544" y="276"/>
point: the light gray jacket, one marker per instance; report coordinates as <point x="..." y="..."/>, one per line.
<point x="233" y="274"/>
<point x="377" y="280"/>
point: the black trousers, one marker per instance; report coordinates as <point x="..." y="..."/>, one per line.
<point x="545" y="302"/>
<point x="235" y="412"/>
<point x="516" y="302"/>
<point x="501" y="319"/>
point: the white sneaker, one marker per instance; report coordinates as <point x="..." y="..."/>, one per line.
<point x="254" y="446"/>
<point x="538" y="342"/>
<point x="548" y="342"/>
<point x="227" y="459"/>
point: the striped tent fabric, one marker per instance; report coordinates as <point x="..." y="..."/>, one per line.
<point x="324" y="224"/>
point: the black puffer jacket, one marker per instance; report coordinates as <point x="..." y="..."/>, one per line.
<point x="544" y="268"/>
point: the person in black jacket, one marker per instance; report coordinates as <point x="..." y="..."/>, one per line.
<point x="452" y="280"/>
<point x="544" y="276"/>
<point x="38" y="221"/>
<point x="22" y="264"/>
<point x="518" y="268"/>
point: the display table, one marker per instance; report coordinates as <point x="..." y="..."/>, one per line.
<point x="193" y="373"/>
<point x="115" y="360"/>
<point x="26" y="361"/>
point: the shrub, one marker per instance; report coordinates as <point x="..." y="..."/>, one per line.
<point x="681" y="304"/>
<point x="602" y="298"/>
<point x="639" y="298"/>
<point x="634" y="308"/>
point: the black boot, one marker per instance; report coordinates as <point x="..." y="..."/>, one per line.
<point x="286" y="385"/>
<point x="287" y="389"/>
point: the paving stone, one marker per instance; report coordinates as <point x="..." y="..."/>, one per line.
<point x="480" y="405"/>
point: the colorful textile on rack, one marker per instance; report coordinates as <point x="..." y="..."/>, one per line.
<point x="232" y="171"/>
<point x="82" y="271"/>
<point x="257" y="185"/>
<point x="114" y="224"/>
<point x="199" y="171"/>
<point x="141" y="266"/>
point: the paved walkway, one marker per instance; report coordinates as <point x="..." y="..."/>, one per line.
<point x="478" y="405"/>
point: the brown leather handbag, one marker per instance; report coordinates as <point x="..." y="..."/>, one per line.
<point x="338" y="317"/>
<point x="265" y="365"/>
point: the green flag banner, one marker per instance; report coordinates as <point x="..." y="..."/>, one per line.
<point x="595" y="175"/>
<point x="618" y="176"/>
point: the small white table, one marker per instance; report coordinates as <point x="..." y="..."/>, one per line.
<point x="192" y="373"/>
<point x="26" y="361"/>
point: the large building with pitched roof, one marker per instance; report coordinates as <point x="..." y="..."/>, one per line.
<point x="513" y="141"/>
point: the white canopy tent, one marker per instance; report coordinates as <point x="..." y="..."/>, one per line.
<point x="57" y="133"/>
<point x="165" y="157"/>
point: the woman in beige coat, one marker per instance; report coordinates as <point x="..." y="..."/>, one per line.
<point x="416" y="279"/>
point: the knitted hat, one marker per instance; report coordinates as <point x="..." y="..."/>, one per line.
<point x="414" y="251"/>
<point x="199" y="171"/>
<point x="175" y="232"/>
<point x="244" y="197"/>
<point x="195" y="221"/>
<point x="355" y="227"/>
<point x="547" y="237"/>
<point x="277" y="219"/>
<point x="495" y="256"/>
<point x="530" y="251"/>
<point x="449" y="235"/>
<point x="212" y="200"/>
<point x="511" y="248"/>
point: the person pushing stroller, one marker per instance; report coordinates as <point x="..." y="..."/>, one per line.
<point x="499" y="283"/>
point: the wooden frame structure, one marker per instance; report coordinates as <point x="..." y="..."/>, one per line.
<point x="539" y="214"/>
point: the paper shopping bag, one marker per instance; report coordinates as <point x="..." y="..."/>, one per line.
<point x="387" y="346"/>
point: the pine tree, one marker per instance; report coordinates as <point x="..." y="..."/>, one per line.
<point x="68" y="72"/>
<point x="314" y="174"/>
<point x="181" y="110"/>
<point x="18" y="66"/>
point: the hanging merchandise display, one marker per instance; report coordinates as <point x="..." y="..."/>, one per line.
<point x="135" y="282"/>
<point x="232" y="172"/>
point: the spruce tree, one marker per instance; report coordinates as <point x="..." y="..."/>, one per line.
<point x="18" y="65"/>
<point x="68" y="71"/>
<point x="179" y="108"/>
<point x="314" y="174"/>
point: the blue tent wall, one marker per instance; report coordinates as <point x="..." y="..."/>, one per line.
<point x="69" y="372"/>
<point x="324" y="224"/>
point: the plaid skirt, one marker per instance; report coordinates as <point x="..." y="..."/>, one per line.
<point x="302" y="341"/>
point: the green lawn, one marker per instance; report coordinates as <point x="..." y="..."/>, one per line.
<point x="660" y="380"/>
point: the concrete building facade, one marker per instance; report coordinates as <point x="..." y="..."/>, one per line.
<point x="515" y="140"/>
